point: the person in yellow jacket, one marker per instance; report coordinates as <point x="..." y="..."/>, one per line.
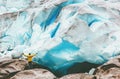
<point x="29" y="58"/>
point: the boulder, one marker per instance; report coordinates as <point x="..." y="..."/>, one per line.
<point x="109" y="70"/>
<point x="78" y="76"/>
<point x="5" y="58"/>
<point x="34" y="74"/>
<point x="10" y="67"/>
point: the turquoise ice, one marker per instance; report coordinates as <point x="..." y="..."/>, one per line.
<point x="62" y="32"/>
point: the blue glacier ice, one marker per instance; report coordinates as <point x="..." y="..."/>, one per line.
<point x="62" y="32"/>
<point x="55" y="30"/>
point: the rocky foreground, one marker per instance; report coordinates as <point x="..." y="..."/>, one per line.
<point x="18" y="69"/>
<point x="60" y="31"/>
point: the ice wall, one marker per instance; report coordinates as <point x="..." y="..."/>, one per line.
<point x="62" y="32"/>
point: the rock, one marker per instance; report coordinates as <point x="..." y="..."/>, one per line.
<point x="109" y="70"/>
<point x="82" y="67"/>
<point x="79" y="76"/>
<point x="9" y="67"/>
<point x="34" y="74"/>
<point x="5" y="58"/>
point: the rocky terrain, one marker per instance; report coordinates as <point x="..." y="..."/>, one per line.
<point x="18" y="69"/>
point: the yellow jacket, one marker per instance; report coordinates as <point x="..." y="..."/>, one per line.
<point x="29" y="57"/>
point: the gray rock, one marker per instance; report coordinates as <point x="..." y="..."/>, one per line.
<point x="34" y="74"/>
<point x="78" y="76"/>
<point x="109" y="70"/>
<point x="5" y="58"/>
<point x="9" y="67"/>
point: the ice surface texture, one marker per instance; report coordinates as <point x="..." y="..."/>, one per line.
<point x="62" y="32"/>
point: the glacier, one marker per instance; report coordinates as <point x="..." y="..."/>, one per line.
<point x="62" y="32"/>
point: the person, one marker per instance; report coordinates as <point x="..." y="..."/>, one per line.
<point x="29" y="58"/>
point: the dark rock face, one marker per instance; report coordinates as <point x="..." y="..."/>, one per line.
<point x="34" y="74"/>
<point x="10" y="67"/>
<point x="82" y="67"/>
<point x="109" y="70"/>
<point x="79" y="76"/>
